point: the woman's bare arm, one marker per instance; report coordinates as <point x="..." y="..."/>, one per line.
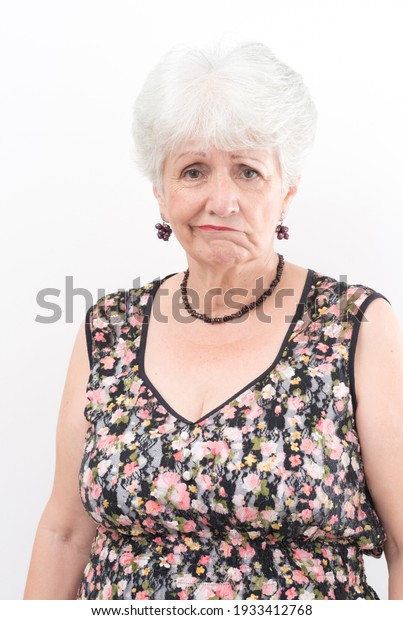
<point x="379" y="416"/>
<point x="65" y="531"/>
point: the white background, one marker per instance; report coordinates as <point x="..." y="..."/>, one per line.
<point x="73" y="204"/>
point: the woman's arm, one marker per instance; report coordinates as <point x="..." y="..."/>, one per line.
<point x="379" y="415"/>
<point x="65" y="530"/>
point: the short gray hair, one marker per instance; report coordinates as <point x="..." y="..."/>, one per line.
<point x="240" y="98"/>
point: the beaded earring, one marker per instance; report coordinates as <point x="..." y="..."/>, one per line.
<point x="282" y="231"/>
<point x="164" y="230"/>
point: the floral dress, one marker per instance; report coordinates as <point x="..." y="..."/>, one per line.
<point x="262" y="498"/>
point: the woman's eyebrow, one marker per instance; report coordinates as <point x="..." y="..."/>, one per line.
<point x="191" y="153"/>
<point x="232" y="156"/>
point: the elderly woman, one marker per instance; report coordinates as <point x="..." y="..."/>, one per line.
<point x="227" y="411"/>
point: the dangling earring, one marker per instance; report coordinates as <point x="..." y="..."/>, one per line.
<point x="282" y="231"/>
<point x="164" y="230"/>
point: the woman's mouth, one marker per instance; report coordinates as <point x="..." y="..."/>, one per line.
<point x="209" y="227"/>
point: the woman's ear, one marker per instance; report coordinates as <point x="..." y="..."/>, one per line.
<point x="158" y="196"/>
<point x="292" y="190"/>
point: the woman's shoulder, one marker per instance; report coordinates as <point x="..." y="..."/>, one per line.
<point x="111" y="315"/>
<point x="332" y="298"/>
<point x="117" y="306"/>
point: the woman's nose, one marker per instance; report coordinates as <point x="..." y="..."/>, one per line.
<point x="223" y="195"/>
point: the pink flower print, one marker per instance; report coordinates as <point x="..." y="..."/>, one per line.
<point x="234" y="574"/>
<point x="126" y="558"/>
<point x="185" y="581"/>
<point x="301" y="554"/>
<point x="291" y="593"/>
<point x="325" y="368"/>
<point x="189" y="526"/>
<point x="299" y="577"/>
<point x="116" y="415"/>
<point x="246" y="514"/>
<point x="361" y="514"/>
<point x="180" y="497"/>
<point x="224" y="591"/>
<point x="349" y="510"/>
<point x="136" y="319"/>
<point x="87" y="476"/>
<point x="318" y="571"/>
<point x="229" y="411"/>
<point x="141" y="596"/>
<point x="321" y="346"/>
<point x="251" y="482"/>
<point x="325" y="426"/>
<point x="269" y="587"/>
<point x="294" y="403"/>
<point x="204" y="591"/>
<point x="351" y="437"/>
<point x="336" y="448"/>
<point x="99" y="337"/>
<point x="333" y="329"/>
<point x="107" y="592"/>
<point x="307" y="446"/>
<point x="218" y="448"/>
<point x="98" y="396"/>
<point x="306" y="514"/>
<point x="268" y="392"/>
<point x="165" y="480"/>
<point x="269" y="515"/>
<point x="105" y="442"/>
<point x="123" y="520"/>
<point x="247" y="552"/>
<point x="232" y="434"/>
<point x="153" y="508"/>
<point x="170" y="558"/>
<point x="254" y="412"/>
<point x="268" y="447"/>
<point x="128" y="357"/>
<point x="108" y="362"/>
<point x="295" y="460"/>
<point x="121" y="348"/>
<point x="95" y="491"/>
<point x="341" y="390"/>
<point x="204" y="481"/>
<point x="247" y="398"/>
<point x="226" y="549"/>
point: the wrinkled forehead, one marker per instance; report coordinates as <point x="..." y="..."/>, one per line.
<point x="196" y="148"/>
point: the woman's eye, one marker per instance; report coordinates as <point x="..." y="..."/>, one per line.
<point x="250" y="170"/>
<point x="191" y="170"/>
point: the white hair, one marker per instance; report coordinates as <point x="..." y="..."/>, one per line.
<point x="232" y="99"/>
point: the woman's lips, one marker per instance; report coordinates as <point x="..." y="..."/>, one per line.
<point x="215" y="228"/>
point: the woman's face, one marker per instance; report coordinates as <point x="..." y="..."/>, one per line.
<point x="240" y="190"/>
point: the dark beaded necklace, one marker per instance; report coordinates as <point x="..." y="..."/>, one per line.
<point x="241" y="311"/>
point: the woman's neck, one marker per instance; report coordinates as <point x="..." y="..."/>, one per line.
<point x="218" y="291"/>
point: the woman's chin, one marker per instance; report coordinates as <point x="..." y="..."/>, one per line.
<point x="222" y="256"/>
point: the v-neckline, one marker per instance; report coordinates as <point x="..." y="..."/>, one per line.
<point x="143" y="341"/>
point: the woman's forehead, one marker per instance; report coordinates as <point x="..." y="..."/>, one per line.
<point x="193" y="149"/>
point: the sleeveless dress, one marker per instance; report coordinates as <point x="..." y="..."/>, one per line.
<point x="262" y="498"/>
